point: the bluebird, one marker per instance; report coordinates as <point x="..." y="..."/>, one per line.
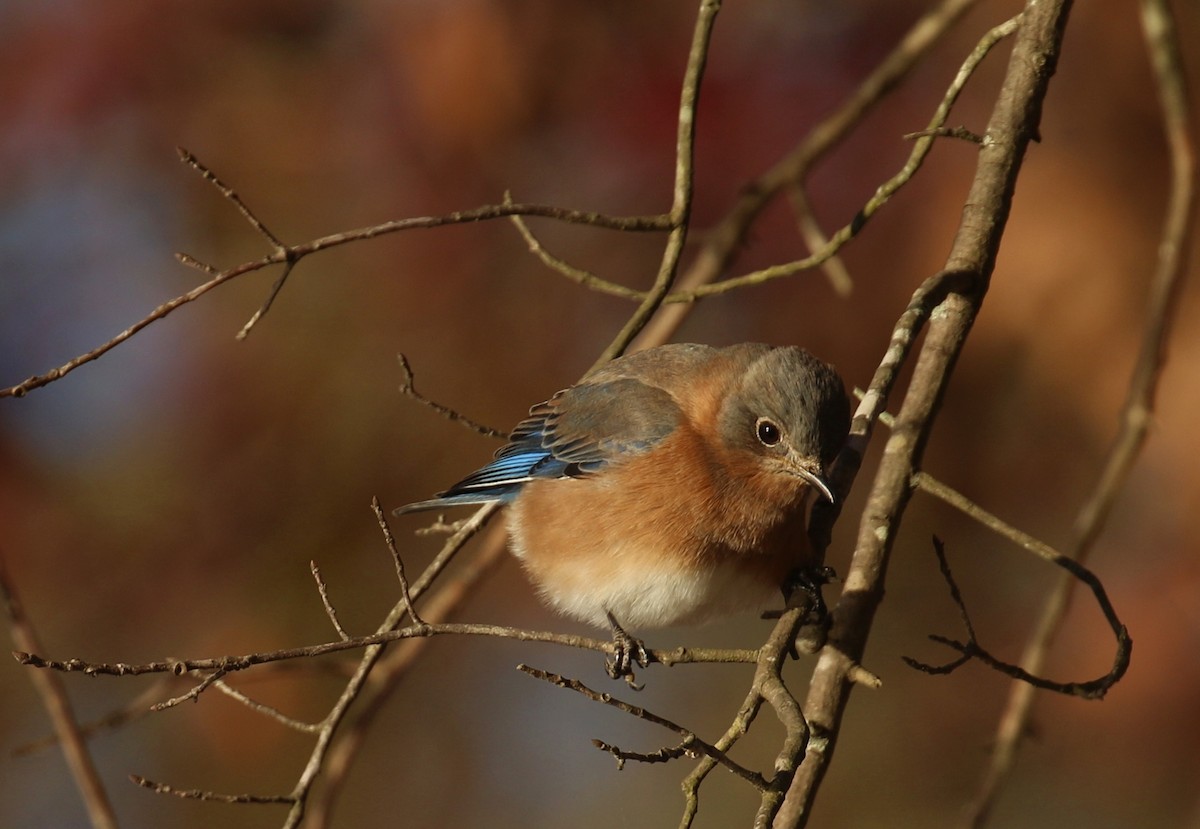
<point x="668" y="487"/>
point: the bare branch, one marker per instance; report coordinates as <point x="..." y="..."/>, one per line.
<point x="723" y="242"/>
<point x="824" y="250"/>
<point x="947" y="303"/>
<point x="266" y="710"/>
<point x="767" y="686"/>
<point x="39" y="380"/>
<point x="387" y="676"/>
<point x="791" y="169"/>
<point x="662" y="755"/>
<point x="971" y="649"/>
<point x="584" y="278"/>
<point x="390" y="540"/>
<point x="409" y="389"/>
<point x="194" y="693"/>
<point x="233" y="664"/>
<point x="681" y="205"/>
<point x="131" y="711"/>
<point x="969" y="266"/>
<point x="293" y="254"/>
<point x="228" y="192"/>
<point x="927" y="483"/>
<point x="810" y="231"/>
<point x="691" y="739"/>
<point x="280" y="249"/>
<point x="947" y="132"/>
<point x="742" y="721"/>
<point x="202" y="794"/>
<point x="192" y="262"/>
<point x="58" y="706"/>
<point x="882" y="195"/>
<point x="323" y="590"/>
<point x="1162" y="44"/>
<point x="266" y="306"/>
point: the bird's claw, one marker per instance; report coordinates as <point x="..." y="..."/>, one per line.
<point x="627" y="651"/>
<point x="804" y="589"/>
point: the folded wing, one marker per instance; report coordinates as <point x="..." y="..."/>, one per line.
<point x="577" y="432"/>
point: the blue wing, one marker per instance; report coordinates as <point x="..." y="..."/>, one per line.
<point x="577" y="432"/>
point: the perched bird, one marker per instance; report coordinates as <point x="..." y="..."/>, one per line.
<point x="669" y="486"/>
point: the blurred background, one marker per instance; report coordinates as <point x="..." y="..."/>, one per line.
<point x="167" y="499"/>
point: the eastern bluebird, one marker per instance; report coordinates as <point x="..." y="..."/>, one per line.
<point x="669" y="486"/>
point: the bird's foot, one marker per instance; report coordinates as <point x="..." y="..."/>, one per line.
<point x="627" y="651"/>
<point x="803" y="589"/>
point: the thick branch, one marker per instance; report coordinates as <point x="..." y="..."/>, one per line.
<point x="1161" y="35"/>
<point x="1013" y="124"/>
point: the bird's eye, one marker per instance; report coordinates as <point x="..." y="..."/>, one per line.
<point x="768" y="433"/>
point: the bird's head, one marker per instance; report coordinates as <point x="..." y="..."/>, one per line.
<point x="790" y="412"/>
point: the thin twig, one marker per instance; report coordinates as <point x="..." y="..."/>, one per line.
<point x="390" y="540"/>
<point x="927" y="483"/>
<point x="766" y="687"/>
<point x="192" y="694"/>
<point x="235" y="663"/>
<point x="971" y="649"/>
<point x="409" y="389"/>
<point x="768" y="683"/>
<point x="58" y="706"/>
<point x="681" y="203"/>
<point x="367" y="663"/>
<point x="289" y="261"/>
<point x="737" y="729"/>
<point x="585" y="278"/>
<point x="388" y="674"/>
<point x="693" y="740"/>
<point x="133" y="710"/>
<point x="810" y="231"/>
<point x="192" y="262"/>
<point x="824" y="249"/>
<point x="266" y="710"/>
<point x="440" y="527"/>
<point x="139" y="706"/>
<point x="228" y="192"/>
<point x="297" y="252"/>
<point x="663" y="755"/>
<point x="39" y="380"/>
<point x="883" y="193"/>
<point x="1162" y="43"/>
<point x="323" y="590"/>
<point x="266" y="306"/>
<point x="947" y="132"/>
<point x="717" y="253"/>
<point x="724" y="241"/>
<point x="202" y="794"/>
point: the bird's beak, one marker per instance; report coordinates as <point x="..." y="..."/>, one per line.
<point x="815" y="479"/>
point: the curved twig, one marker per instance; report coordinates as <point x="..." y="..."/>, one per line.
<point x="970" y="263"/>
<point x="1162" y="45"/>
